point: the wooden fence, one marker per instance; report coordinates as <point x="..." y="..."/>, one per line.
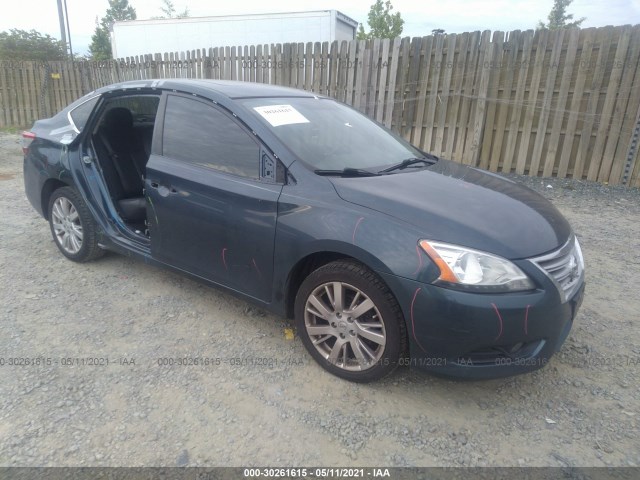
<point x="552" y="103"/>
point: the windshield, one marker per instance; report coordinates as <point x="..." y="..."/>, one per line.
<point x="330" y="136"/>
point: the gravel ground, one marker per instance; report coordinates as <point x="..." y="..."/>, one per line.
<point x="583" y="409"/>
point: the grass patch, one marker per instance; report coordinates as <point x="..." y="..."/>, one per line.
<point x="12" y="130"/>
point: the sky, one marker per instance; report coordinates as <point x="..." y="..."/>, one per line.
<point x="422" y="16"/>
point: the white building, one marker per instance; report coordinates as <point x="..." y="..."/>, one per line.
<point x="138" y="37"/>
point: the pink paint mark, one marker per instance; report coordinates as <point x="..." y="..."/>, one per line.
<point x="353" y="237"/>
<point x="224" y="260"/>
<point x="413" y="324"/>
<point x="499" y="319"/>
<point x="526" y="320"/>
<point x="256" y="267"/>
<point x="419" y="260"/>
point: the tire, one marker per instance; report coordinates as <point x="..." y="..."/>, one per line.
<point x="362" y="340"/>
<point x="73" y="229"/>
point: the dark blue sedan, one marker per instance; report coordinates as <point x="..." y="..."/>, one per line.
<point x="385" y="255"/>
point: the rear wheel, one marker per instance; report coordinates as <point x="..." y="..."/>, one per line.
<point x="350" y="322"/>
<point x="72" y="226"/>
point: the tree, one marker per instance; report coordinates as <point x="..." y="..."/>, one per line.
<point x="169" y="10"/>
<point x="438" y="31"/>
<point x="119" y="10"/>
<point x="559" y="18"/>
<point x="100" y="47"/>
<point x="30" y="45"/>
<point x="382" y="22"/>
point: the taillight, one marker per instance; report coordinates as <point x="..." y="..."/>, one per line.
<point x="27" y="138"/>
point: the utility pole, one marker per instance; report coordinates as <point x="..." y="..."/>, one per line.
<point x="66" y="17"/>
<point x="63" y="30"/>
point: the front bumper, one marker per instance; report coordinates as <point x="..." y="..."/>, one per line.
<point x="480" y="336"/>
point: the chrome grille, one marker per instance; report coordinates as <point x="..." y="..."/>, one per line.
<point x="565" y="267"/>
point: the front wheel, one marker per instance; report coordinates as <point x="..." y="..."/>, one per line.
<point x="72" y="226"/>
<point x="350" y="322"/>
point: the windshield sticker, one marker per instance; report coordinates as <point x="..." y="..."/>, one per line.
<point x="278" y="115"/>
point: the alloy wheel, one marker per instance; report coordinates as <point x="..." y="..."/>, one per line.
<point x="67" y="226"/>
<point x="345" y="326"/>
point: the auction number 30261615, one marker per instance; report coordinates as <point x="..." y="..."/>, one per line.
<point x="316" y="472"/>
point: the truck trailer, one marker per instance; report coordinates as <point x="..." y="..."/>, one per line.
<point x="138" y="37"/>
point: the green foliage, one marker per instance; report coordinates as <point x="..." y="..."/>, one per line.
<point x="382" y="22"/>
<point x="169" y="10"/>
<point x="30" y="45"/>
<point x="559" y="18"/>
<point x="119" y="10"/>
<point x="100" y="47"/>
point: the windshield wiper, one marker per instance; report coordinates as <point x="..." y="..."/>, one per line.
<point x="347" y="172"/>
<point x="408" y="162"/>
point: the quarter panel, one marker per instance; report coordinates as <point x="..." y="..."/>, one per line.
<point x="45" y="161"/>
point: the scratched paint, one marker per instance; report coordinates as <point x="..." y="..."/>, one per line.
<point x="255" y="265"/>
<point x="355" y="229"/>
<point x="413" y="324"/>
<point x="499" y="320"/>
<point x="155" y="215"/>
<point x="224" y="260"/>
<point x="526" y="320"/>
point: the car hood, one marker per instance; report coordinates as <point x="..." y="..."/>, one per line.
<point x="457" y="204"/>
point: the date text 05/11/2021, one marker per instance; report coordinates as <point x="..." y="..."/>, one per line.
<point x="316" y="472"/>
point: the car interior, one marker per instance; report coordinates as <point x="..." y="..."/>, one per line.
<point x="122" y="143"/>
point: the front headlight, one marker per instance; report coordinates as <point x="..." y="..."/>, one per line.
<point x="579" y="255"/>
<point x="472" y="270"/>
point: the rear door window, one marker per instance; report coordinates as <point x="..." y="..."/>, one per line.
<point x="142" y="107"/>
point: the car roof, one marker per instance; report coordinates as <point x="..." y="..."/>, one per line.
<point x="229" y="88"/>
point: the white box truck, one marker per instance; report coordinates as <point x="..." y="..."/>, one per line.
<point x="138" y="37"/>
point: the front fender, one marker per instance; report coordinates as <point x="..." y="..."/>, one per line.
<point x="327" y="224"/>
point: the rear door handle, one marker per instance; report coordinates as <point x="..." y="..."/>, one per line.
<point x="163" y="190"/>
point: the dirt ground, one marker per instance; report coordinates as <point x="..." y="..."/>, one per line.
<point x="267" y="403"/>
